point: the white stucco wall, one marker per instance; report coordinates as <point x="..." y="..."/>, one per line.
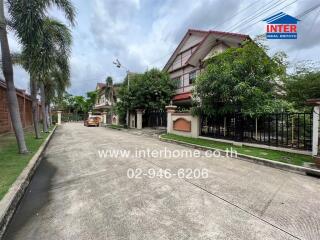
<point x="193" y="39"/>
<point x="195" y="124"/>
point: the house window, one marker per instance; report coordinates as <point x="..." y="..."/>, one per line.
<point x="192" y="77"/>
<point x="177" y="81"/>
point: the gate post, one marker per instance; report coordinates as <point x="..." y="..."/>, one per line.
<point x="104" y="117"/>
<point x="115" y="119"/>
<point x="256" y="133"/>
<point x="170" y="109"/>
<point x="139" y="118"/>
<point x="315" y="130"/>
<point x="59" y="117"/>
<point x="90" y="114"/>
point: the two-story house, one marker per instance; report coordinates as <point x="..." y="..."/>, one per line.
<point x="189" y="58"/>
<point x="105" y="102"/>
<point x="102" y="102"/>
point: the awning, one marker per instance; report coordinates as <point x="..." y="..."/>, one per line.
<point x="313" y="101"/>
<point x="182" y="96"/>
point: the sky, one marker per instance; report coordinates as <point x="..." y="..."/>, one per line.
<point x="143" y="34"/>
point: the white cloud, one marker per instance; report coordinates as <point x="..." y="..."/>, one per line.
<point x="143" y="33"/>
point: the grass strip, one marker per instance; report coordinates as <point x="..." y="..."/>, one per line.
<point x="275" y="155"/>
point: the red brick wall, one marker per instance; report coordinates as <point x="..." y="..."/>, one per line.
<point x="24" y="106"/>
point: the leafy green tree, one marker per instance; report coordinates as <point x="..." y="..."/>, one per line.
<point x="243" y="80"/>
<point x="65" y="102"/>
<point x="55" y="85"/>
<point x="91" y="100"/>
<point x="303" y="84"/>
<point x="79" y="104"/>
<point x="109" y="90"/>
<point x="151" y="90"/>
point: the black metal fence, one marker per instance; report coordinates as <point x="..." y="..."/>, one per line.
<point x="73" y="117"/>
<point x="292" y="130"/>
<point x="154" y="118"/>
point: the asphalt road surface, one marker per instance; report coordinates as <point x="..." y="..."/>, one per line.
<point x="77" y="194"/>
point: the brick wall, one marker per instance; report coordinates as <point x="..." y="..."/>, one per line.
<point x="24" y="106"/>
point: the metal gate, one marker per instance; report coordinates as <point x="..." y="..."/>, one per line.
<point x="73" y="117"/>
<point x="154" y="118"/>
<point x="293" y="130"/>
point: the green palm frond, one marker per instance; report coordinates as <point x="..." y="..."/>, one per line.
<point x="46" y="42"/>
<point x="64" y="5"/>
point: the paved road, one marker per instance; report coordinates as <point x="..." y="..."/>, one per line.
<point x="77" y="195"/>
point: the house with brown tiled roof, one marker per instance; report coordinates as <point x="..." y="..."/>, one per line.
<point x="188" y="59"/>
<point x="105" y="103"/>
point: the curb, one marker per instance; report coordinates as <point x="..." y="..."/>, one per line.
<point x="117" y="129"/>
<point x="257" y="160"/>
<point x="11" y="200"/>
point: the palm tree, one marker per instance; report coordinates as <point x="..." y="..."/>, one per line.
<point x="55" y="85"/>
<point x="57" y="45"/>
<point x="11" y="90"/>
<point x="28" y="20"/>
<point x="109" y="91"/>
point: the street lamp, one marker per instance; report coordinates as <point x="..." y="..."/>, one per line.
<point x="119" y="65"/>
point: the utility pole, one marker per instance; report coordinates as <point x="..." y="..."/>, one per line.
<point x="119" y="65"/>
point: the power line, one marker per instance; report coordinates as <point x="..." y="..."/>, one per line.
<point x="264" y="10"/>
<point x="237" y="13"/>
<point x="308" y="11"/>
<point x="267" y="8"/>
<point x="271" y="14"/>
<point x="311" y="26"/>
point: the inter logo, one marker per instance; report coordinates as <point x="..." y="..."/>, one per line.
<point x="282" y="26"/>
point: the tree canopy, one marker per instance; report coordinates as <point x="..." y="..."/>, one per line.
<point x="75" y="104"/>
<point x="151" y="90"/>
<point x="243" y="79"/>
<point x="303" y="84"/>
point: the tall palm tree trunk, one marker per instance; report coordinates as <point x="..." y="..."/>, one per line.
<point x="48" y="115"/>
<point x="34" y="106"/>
<point x="43" y="108"/>
<point x="12" y="99"/>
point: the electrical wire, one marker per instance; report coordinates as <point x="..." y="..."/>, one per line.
<point x="216" y="26"/>
<point x="264" y="10"/>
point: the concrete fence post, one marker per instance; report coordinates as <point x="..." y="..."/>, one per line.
<point x="315" y="130"/>
<point x="90" y="114"/>
<point x="256" y="128"/>
<point x="59" y="117"/>
<point x="115" y="119"/>
<point x="170" y="109"/>
<point x="139" y="118"/>
<point x="292" y="130"/>
<point x="196" y="126"/>
<point x="224" y="126"/>
<point x="104" y="117"/>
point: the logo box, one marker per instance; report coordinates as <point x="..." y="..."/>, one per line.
<point x="282" y="26"/>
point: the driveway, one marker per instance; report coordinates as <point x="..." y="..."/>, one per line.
<point x="75" y="194"/>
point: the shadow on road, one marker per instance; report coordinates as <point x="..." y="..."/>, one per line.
<point x="36" y="196"/>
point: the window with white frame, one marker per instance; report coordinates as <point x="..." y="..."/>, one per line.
<point x="192" y="77"/>
<point x="178" y="82"/>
